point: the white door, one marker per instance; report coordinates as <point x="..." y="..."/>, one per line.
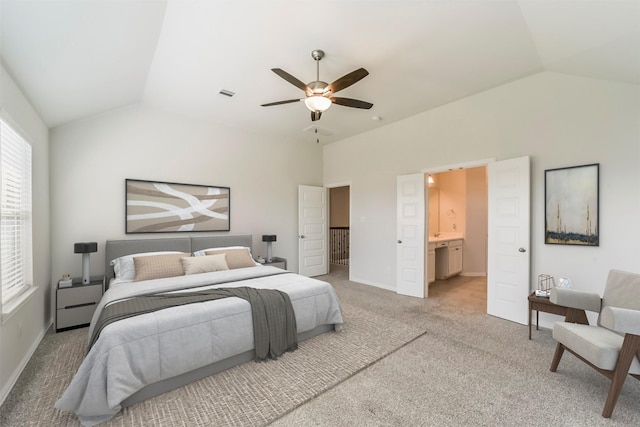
<point x="508" y="246"/>
<point x="312" y="230"/>
<point x="410" y="245"/>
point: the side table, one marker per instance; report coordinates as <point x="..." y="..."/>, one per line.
<point x="539" y="304"/>
<point x="75" y="305"/>
<point x="277" y="262"/>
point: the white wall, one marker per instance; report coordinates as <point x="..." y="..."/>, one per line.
<point x="91" y="159"/>
<point x="558" y="120"/>
<point x="21" y="333"/>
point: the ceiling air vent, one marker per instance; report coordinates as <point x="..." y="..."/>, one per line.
<point x="227" y="93"/>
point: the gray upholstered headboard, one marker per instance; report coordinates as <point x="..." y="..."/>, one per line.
<point x="118" y="248"/>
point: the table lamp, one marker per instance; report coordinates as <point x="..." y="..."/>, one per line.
<point x="269" y="238"/>
<point x="85" y="249"/>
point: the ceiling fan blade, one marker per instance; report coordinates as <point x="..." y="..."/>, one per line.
<point x="349" y="102"/>
<point x="288" y="101"/>
<point x="288" y="77"/>
<point x="347" y="80"/>
<point x="315" y="115"/>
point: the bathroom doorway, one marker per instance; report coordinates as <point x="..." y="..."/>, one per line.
<point x="339" y="228"/>
<point x="458" y="209"/>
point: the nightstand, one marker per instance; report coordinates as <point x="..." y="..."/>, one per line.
<point x="75" y="305"/>
<point x="277" y="262"/>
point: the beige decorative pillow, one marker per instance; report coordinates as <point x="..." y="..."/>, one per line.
<point x="236" y="258"/>
<point x="159" y="266"/>
<point x="204" y="264"/>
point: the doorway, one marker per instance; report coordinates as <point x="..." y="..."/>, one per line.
<point x="339" y="228"/>
<point x="457" y="208"/>
<point x="508" y="236"/>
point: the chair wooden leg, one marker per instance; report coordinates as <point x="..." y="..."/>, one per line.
<point x="629" y="350"/>
<point x="556" y="357"/>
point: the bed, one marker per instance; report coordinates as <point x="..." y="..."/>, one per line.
<point x="139" y="357"/>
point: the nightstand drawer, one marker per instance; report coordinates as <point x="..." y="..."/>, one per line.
<point x="75" y="316"/>
<point x="78" y="296"/>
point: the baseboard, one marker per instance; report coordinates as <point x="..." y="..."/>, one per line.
<point x="23" y="364"/>
<point x="472" y="274"/>
<point x="375" y="285"/>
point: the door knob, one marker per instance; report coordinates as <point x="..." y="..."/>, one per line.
<point x="399" y="241"/>
<point x="302" y="236"/>
<point x="522" y="250"/>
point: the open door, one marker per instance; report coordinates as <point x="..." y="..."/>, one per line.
<point x="410" y="264"/>
<point x="509" y="239"/>
<point x="312" y="230"/>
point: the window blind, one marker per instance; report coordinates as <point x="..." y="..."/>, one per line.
<point x="15" y="213"/>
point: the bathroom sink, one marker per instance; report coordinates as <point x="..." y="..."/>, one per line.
<point x="445" y="236"/>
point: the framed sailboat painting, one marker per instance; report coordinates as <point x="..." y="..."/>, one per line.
<point x="571" y="205"/>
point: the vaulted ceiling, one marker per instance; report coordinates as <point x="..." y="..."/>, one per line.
<point x="78" y="58"/>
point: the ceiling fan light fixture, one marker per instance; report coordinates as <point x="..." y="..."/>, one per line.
<point x="319" y="94"/>
<point x="317" y="103"/>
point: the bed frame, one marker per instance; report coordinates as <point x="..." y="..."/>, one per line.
<point x="118" y="248"/>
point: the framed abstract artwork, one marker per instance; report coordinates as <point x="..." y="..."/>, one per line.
<point x="169" y="207"/>
<point x="571" y="205"/>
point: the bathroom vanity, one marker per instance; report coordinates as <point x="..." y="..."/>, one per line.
<point x="445" y="254"/>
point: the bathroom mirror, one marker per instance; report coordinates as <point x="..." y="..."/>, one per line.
<point x="434" y="210"/>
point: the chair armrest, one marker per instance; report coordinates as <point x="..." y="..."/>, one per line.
<point x="576" y="299"/>
<point x="621" y="320"/>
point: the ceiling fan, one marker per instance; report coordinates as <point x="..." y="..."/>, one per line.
<point x="319" y="94"/>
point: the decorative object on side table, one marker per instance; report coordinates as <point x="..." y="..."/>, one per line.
<point x="564" y="282"/>
<point x="545" y="283"/>
<point x="269" y="238"/>
<point x="66" y="281"/>
<point x="85" y="249"/>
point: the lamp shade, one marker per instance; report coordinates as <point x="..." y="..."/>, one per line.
<point x="85" y="248"/>
<point x="317" y="103"/>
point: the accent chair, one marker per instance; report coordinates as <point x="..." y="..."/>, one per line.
<point x="612" y="347"/>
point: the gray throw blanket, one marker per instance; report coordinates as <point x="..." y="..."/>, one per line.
<point x="274" y="322"/>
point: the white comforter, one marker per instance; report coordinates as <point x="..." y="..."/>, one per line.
<point x="148" y="348"/>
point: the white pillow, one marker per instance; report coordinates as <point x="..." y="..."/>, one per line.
<point x="203" y="252"/>
<point x="204" y="264"/>
<point x="124" y="267"/>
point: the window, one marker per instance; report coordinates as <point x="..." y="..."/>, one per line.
<point x="15" y="214"/>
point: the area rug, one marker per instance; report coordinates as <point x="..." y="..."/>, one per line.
<point x="246" y="395"/>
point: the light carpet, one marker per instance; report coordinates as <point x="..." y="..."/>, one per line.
<point x="248" y="394"/>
